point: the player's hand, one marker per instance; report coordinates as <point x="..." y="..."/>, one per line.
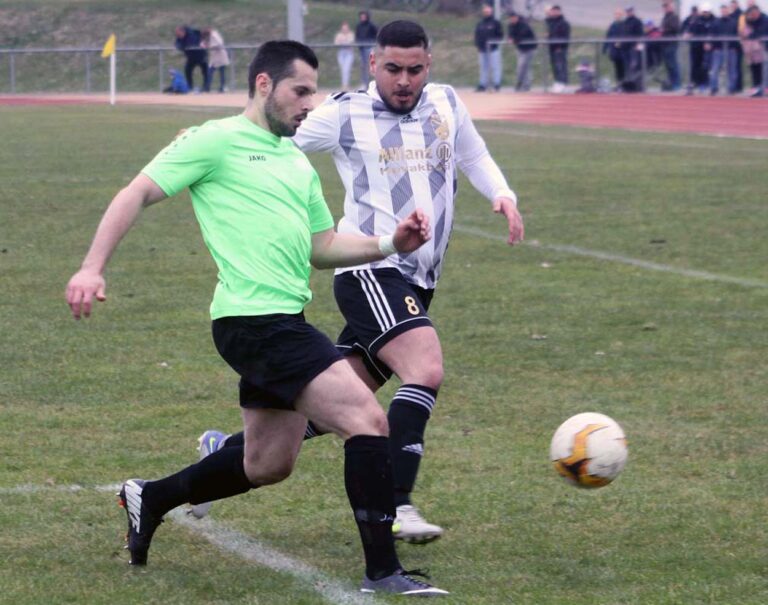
<point x="412" y="232"/>
<point x="507" y="207"/>
<point x="82" y="289"/>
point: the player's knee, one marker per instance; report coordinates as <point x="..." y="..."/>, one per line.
<point x="267" y="472"/>
<point x="378" y="422"/>
<point x="431" y="375"/>
<point x="370" y="420"/>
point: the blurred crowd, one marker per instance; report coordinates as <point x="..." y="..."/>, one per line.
<point x="719" y="45"/>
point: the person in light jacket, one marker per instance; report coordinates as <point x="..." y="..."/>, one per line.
<point x="345" y="55"/>
<point x="218" y="58"/>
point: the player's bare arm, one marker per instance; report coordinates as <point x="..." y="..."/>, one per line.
<point x="88" y="283"/>
<point x="508" y="207"/>
<point x="331" y="249"/>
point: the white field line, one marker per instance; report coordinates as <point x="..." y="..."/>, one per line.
<point x="580" y="138"/>
<point x="254" y="551"/>
<point x="234" y="542"/>
<point x="626" y="260"/>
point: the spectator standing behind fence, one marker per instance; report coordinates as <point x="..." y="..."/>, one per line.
<point x="558" y="29"/>
<point x="695" y="49"/>
<point x="752" y="49"/>
<point x="670" y="28"/>
<point x="365" y="36"/>
<point x="345" y="55"/>
<point x="488" y="55"/>
<point x="723" y="51"/>
<point x="758" y="23"/>
<point x="522" y="36"/>
<point x="218" y="58"/>
<point x="188" y="41"/>
<point x="736" y="15"/>
<point x="631" y="50"/>
<point x="613" y="49"/>
<point x="703" y="27"/>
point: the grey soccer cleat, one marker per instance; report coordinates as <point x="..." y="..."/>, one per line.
<point x="411" y="527"/>
<point x="402" y="583"/>
<point x="209" y="442"/>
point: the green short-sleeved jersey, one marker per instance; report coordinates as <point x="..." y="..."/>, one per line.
<point x="258" y="201"/>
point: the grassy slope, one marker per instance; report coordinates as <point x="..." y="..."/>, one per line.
<point x="87" y="23"/>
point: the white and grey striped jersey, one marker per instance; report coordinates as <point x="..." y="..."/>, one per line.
<point x="391" y="164"/>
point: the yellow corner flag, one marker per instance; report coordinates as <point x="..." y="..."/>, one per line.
<point x="109" y="47"/>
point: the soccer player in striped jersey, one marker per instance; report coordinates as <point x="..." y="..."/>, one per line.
<point x="398" y="145"/>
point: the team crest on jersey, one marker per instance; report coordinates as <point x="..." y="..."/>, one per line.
<point x="440" y="125"/>
<point x="443" y="154"/>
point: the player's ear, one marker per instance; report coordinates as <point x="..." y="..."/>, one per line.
<point x="263" y="83"/>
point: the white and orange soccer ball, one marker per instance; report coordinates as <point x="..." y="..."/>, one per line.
<point x="589" y="450"/>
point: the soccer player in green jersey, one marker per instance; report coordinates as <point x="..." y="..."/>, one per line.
<point x="265" y="221"/>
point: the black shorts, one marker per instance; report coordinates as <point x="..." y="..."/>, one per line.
<point x="378" y="304"/>
<point x="276" y="356"/>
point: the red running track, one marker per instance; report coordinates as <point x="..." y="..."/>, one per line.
<point x="720" y="116"/>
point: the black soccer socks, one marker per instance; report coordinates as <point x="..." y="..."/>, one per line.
<point x="217" y="476"/>
<point x="368" y="479"/>
<point x="408" y="415"/>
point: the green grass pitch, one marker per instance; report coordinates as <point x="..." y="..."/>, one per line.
<point x="531" y="335"/>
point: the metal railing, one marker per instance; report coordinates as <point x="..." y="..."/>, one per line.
<point x="142" y="68"/>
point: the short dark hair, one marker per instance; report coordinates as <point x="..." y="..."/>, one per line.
<point x="275" y="58"/>
<point x="402" y="34"/>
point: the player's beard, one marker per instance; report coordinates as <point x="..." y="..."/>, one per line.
<point x="277" y="126"/>
<point x="402" y="110"/>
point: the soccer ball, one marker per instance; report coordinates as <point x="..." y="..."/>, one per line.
<point x="589" y="450"/>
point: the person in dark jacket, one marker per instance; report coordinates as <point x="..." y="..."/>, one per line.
<point x="724" y="51"/>
<point x="632" y="52"/>
<point x="522" y="36"/>
<point x="188" y="41"/>
<point x="695" y="51"/>
<point x="558" y="29"/>
<point x="736" y="14"/>
<point x="703" y="28"/>
<point x="613" y="49"/>
<point x="488" y="55"/>
<point x="670" y="28"/>
<point x="365" y="36"/>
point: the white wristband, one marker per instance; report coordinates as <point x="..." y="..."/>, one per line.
<point x="387" y="245"/>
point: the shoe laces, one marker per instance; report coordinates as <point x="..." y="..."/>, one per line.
<point x="423" y="573"/>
